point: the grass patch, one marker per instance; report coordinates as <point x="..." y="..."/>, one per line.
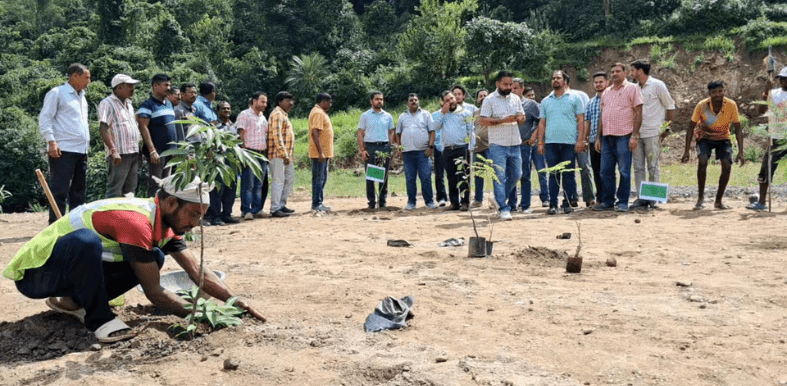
<point x="343" y="183"/>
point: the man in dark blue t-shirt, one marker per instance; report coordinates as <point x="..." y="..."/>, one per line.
<point x="156" y="118"/>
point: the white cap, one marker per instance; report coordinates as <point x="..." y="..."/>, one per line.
<point x="782" y="73"/>
<point x="123" y="78"/>
<point x="190" y="193"/>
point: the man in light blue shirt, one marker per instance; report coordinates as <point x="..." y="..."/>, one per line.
<point x="455" y="125"/>
<point x="415" y="133"/>
<point x="560" y="137"/>
<point x="375" y="134"/>
<point x="63" y="124"/>
<point x="203" y="106"/>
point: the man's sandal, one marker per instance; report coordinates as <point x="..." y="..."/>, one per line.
<point x="115" y="326"/>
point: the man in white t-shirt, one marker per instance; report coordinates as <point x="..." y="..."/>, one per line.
<point x="777" y="127"/>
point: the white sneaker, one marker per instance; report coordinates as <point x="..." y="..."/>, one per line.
<point x="248" y="216"/>
<point x="409" y="207"/>
<point x="525" y="211"/>
<point x="432" y="205"/>
<point x="441" y="203"/>
<point x="506" y="216"/>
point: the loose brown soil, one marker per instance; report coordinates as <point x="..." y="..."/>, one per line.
<point x="513" y="319"/>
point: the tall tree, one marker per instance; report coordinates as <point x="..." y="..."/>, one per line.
<point x="495" y="45"/>
<point x="434" y="38"/>
<point x="110" y="14"/>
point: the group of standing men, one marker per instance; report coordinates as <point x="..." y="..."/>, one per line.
<point x="602" y="136"/>
<point x="63" y="123"/>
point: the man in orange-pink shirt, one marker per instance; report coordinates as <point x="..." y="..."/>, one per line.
<point x="618" y="132"/>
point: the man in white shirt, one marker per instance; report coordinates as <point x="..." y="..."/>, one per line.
<point x="657" y="104"/>
<point x="63" y="124"/>
<point x="502" y="112"/>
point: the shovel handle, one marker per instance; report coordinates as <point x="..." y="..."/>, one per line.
<point x="48" y="193"/>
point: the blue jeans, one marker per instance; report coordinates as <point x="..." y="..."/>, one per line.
<point x="508" y="167"/>
<point x="556" y="153"/>
<point x="439" y="175"/>
<point x="75" y="270"/>
<point x="253" y="191"/>
<point x="540" y="163"/>
<point x="319" y="178"/>
<point x="524" y="182"/>
<point x="416" y="164"/>
<point x="478" y="181"/>
<point x="615" y="150"/>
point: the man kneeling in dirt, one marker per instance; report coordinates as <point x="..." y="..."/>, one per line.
<point x="100" y="250"/>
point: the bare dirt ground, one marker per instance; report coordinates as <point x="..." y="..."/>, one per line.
<point x="513" y="319"/>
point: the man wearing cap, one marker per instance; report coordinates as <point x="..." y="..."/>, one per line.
<point x="100" y="250"/>
<point x="119" y="132"/>
<point x="156" y="124"/>
<point x="63" y="124"/>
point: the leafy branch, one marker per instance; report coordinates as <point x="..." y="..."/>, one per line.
<point x="207" y="311"/>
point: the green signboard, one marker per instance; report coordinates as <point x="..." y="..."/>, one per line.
<point x="653" y="191"/>
<point x="375" y="173"/>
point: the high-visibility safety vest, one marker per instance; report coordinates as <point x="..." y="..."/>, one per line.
<point x="36" y="252"/>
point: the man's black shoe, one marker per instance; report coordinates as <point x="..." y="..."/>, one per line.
<point x="229" y="220"/>
<point x="453" y="207"/>
<point x="280" y="213"/>
<point x="286" y="210"/>
<point x="217" y="222"/>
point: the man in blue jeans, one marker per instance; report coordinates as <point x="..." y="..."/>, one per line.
<point x="528" y="133"/>
<point x="502" y="112"/>
<point x="618" y="133"/>
<point x="560" y="136"/>
<point x="252" y="127"/>
<point x="415" y="133"/>
<point x="320" y="148"/>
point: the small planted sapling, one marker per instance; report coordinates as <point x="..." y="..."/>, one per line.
<point x="217" y="155"/>
<point x="485" y="169"/>
<point x="207" y="311"/>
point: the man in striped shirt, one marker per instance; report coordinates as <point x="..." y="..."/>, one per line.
<point x="281" y="145"/>
<point x="118" y="128"/>
<point x="253" y="130"/>
<point x="502" y="112"/>
<point x="618" y="135"/>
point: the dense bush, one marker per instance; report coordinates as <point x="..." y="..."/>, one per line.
<point x="22" y="152"/>
<point x="757" y="33"/>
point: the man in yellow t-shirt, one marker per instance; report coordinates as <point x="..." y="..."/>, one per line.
<point x="710" y="128"/>
<point x="320" y="148"/>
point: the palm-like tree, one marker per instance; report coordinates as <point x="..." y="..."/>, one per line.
<point x="307" y="74"/>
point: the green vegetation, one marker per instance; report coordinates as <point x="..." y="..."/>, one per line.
<point x="346" y="48"/>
